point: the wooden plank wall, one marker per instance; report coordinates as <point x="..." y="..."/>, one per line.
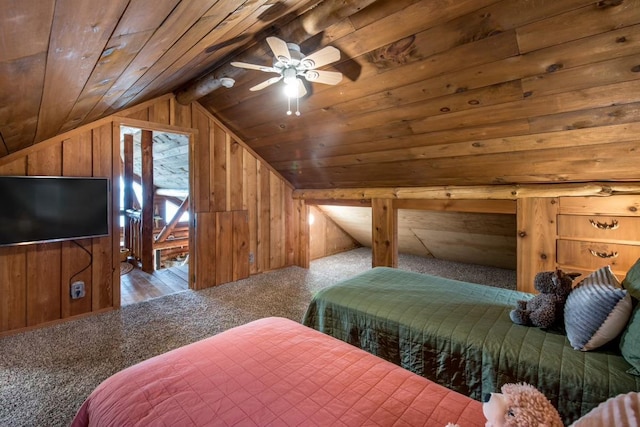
<point x="35" y="280"/>
<point x="229" y="177"/>
<point x="234" y="187"/>
<point x="326" y="237"/>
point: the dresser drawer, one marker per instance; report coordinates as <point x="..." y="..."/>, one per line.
<point x="593" y="255"/>
<point x="596" y="228"/>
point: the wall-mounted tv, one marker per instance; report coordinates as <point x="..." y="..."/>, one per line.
<point x="36" y="209"/>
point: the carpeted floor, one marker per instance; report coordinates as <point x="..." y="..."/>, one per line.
<point x="45" y="374"/>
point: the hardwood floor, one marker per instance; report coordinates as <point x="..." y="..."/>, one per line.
<point x="137" y="286"/>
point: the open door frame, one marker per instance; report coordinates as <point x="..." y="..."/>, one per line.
<point x="154" y="127"/>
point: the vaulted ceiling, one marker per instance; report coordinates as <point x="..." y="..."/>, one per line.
<point x="439" y="92"/>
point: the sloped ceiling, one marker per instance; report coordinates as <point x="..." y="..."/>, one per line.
<point x="170" y="160"/>
<point x="447" y="92"/>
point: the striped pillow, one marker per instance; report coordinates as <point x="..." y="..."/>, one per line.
<point x="596" y="311"/>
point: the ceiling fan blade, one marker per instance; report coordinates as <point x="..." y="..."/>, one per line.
<point x="266" y="83"/>
<point x="254" y="67"/>
<point x="322" y="57"/>
<point x="280" y="49"/>
<point x="326" y="77"/>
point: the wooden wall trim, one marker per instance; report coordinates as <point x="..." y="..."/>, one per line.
<point x="143" y="105"/>
<point x="153" y="126"/>
<point x="480" y="206"/>
<point x="486" y="192"/>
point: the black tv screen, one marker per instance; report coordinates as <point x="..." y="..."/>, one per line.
<point x="35" y="209"/>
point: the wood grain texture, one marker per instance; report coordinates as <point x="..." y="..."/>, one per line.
<point x="202" y="156"/>
<point x="44" y="260"/>
<point x="148" y="193"/>
<point x="536" y="239"/>
<point x="37" y="296"/>
<point x="76" y="44"/>
<point x="251" y="187"/>
<point x="236" y="175"/>
<point x="224" y="247"/>
<point x="277" y="258"/>
<point x="13" y="286"/>
<point x="428" y="87"/>
<point x="326" y="237"/>
<point x="77" y="258"/>
<point x="205" y="248"/>
<point x="384" y="233"/>
<point x="241" y="248"/>
<point x="218" y="175"/>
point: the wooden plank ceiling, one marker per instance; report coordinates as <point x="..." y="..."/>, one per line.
<point x="448" y="92"/>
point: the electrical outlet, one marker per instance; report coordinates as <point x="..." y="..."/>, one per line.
<point x="77" y="290"/>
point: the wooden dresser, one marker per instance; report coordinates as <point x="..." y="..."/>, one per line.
<point x="598" y="231"/>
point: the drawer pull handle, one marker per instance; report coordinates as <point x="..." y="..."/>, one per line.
<point x="604" y="254"/>
<point x="605" y="226"/>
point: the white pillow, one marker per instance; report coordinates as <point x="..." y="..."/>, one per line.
<point x="622" y="410"/>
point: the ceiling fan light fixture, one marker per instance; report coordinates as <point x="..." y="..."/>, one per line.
<point x="290" y="78"/>
<point x="293" y="67"/>
<point x="291" y="89"/>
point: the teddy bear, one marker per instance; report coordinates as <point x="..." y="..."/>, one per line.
<point x="545" y="309"/>
<point x="519" y="405"/>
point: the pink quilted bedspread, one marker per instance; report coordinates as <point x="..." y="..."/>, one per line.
<point x="273" y="372"/>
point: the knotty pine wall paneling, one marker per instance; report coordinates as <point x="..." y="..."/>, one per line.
<point x="224" y="247"/>
<point x="247" y="220"/>
<point x="105" y="153"/>
<point x="536" y="238"/>
<point x="44" y="259"/>
<point x="326" y="237"/>
<point x="384" y="233"/>
<point x="230" y="178"/>
<point x="240" y="245"/>
<point x="13" y="270"/>
<point x="77" y="259"/>
<point x="36" y="278"/>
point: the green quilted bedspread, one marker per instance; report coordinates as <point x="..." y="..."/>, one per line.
<point x="459" y="335"/>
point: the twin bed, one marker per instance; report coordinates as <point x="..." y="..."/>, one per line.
<point x="435" y="348"/>
<point x="459" y="335"/>
<point x="273" y="372"/>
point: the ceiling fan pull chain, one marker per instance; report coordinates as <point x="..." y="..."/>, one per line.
<point x="297" y="106"/>
<point x="288" y="105"/>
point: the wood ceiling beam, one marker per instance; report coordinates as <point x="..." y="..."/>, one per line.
<point x="508" y="192"/>
<point x="168" y="228"/>
<point x="307" y="25"/>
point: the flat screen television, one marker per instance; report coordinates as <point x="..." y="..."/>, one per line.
<point x="36" y="209"/>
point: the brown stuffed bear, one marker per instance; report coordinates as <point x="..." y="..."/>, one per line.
<point x="545" y="309"/>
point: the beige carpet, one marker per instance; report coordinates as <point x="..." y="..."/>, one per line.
<point x="46" y="374"/>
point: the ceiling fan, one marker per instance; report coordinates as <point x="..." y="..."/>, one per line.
<point x="291" y="65"/>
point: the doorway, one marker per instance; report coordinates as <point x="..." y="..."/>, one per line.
<point x="154" y="214"/>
